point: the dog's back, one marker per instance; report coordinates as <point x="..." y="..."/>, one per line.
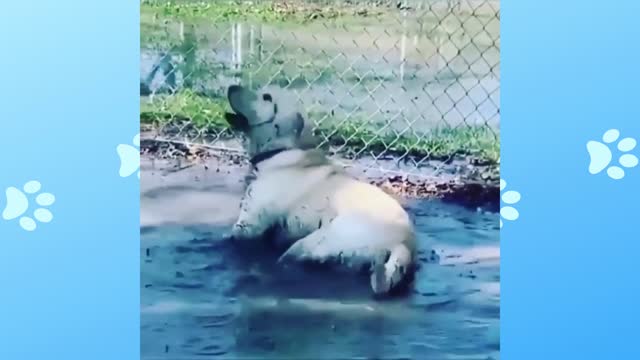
<point x="311" y="191"/>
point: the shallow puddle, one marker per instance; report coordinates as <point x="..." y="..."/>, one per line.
<point x="202" y="299"/>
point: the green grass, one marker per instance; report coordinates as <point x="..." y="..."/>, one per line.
<point x="354" y="135"/>
<point x="237" y="10"/>
<point x="221" y="11"/>
<point x="294" y="14"/>
<point x="202" y="112"/>
<point x="213" y="13"/>
<point x="360" y="137"/>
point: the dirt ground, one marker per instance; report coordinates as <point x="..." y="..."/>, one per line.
<point x="462" y="182"/>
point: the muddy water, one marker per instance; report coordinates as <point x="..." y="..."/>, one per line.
<point x="202" y="299"/>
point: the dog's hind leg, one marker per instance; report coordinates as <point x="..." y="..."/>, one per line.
<point x="344" y="238"/>
<point x="306" y="248"/>
<point x="354" y="241"/>
<point x="358" y="240"/>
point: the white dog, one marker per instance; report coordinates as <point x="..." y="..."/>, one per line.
<point x="320" y="213"/>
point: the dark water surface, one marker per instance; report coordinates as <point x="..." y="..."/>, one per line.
<point x="201" y="299"/>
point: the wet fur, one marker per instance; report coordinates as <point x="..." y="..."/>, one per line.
<point x="309" y="206"/>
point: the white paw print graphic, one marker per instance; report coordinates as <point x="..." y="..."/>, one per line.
<point x="601" y="156"/>
<point x="511" y="198"/>
<point x="129" y="157"/>
<point x="18" y="204"/>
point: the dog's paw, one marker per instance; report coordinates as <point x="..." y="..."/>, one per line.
<point x="240" y="232"/>
<point x="379" y="282"/>
<point x="386" y="276"/>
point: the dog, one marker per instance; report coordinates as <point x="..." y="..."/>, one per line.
<point x="319" y="212"/>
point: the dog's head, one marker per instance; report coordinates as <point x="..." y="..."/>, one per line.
<point x="269" y="119"/>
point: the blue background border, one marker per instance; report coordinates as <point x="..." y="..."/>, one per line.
<point x="570" y="71"/>
<point x="69" y="96"/>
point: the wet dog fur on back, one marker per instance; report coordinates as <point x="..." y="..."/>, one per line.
<point x="321" y="213"/>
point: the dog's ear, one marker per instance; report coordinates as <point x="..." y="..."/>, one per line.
<point x="237" y="121"/>
<point x="298" y="125"/>
<point x="304" y="134"/>
<point x="240" y="99"/>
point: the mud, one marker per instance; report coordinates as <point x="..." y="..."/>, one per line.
<point x="202" y="299"/>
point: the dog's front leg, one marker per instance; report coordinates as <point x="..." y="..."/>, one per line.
<point x="254" y="219"/>
<point x="250" y="225"/>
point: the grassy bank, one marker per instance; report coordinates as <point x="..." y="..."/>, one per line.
<point x="356" y="135"/>
<point x="262" y="11"/>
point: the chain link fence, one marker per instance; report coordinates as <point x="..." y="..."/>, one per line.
<point x="402" y="86"/>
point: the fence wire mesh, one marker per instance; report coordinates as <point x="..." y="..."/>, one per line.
<point x="404" y="86"/>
